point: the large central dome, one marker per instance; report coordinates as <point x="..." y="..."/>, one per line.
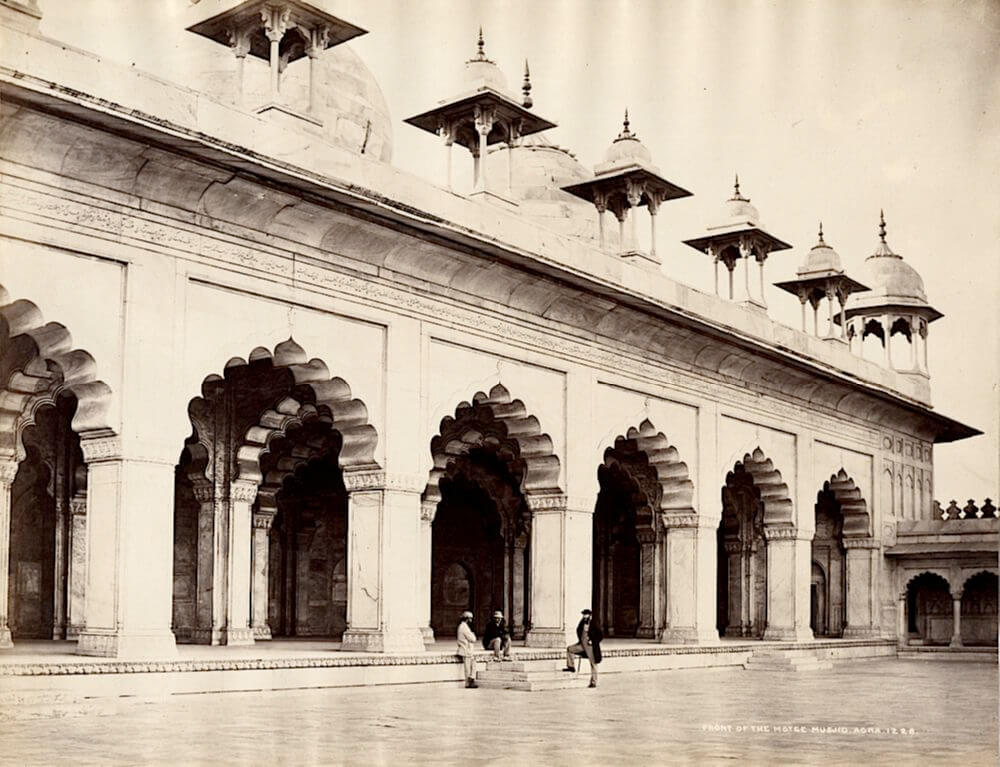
<point x="350" y="103"/>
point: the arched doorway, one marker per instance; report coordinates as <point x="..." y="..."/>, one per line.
<point x="929" y="613"/>
<point x="979" y="610"/>
<point x="755" y="508"/>
<point x="307" y="595"/>
<point x="742" y="591"/>
<point x="263" y="470"/>
<point x="479" y="544"/>
<point x="617" y="577"/>
<point x="829" y="559"/>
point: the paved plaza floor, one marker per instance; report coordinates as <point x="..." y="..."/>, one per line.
<point x="864" y="712"/>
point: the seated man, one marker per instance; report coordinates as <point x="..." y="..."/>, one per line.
<point x="496" y="637"/>
<point x="589" y="635"/>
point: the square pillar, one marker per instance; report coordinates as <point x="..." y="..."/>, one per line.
<point x="263" y="518"/>
<point x="238" y="566"/>
<point x="128" y="603"/>
<point x="690" y="549"/>
<point x="956" y="619"/>
<point x="383" y="561"/>
<point x="77" y="583"/>
<point x="423" y="583"/>
<point x="789" y="560"/>
<point x="651" y="586"/>
<point x="861" y="608"/>
<point x="8" y="470"/>
<point x="561" y="570"/>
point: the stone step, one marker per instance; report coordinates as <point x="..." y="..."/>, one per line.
<point x="521" y="676"/>
<point x="796" y="660"/>
<point x="537" y="683"/>
<point x="516" y="665"/>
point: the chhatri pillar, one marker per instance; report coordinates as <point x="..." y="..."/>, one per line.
<point x="822" y="278"/>
<point x="278" y="32"/>
<point x="481" y="116"/>
<point x="739" y="237"/>
<point x="624" y="182"/>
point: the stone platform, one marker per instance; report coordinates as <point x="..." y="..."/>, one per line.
<point x="50" y="669"/>
<point x="531" y="676"/>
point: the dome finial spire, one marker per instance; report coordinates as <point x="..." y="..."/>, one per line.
<point x="526" y="88"/>
<point x="821" y="234"/>
<point x="626" y="133"/>
<point x="481" y="46"/>
<point x="736" y="186"/>
<point x="881" y="226"/>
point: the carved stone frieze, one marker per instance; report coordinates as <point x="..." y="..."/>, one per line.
<point x="780" y="533"/>
<point x="311" y="271"/>
<point x="861" y="543"/>
<point x="677" y="520"/>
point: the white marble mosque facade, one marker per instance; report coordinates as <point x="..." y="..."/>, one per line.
<point x="178" y="241"/>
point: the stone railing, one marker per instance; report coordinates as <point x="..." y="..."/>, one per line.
<point x="969" y="511"/>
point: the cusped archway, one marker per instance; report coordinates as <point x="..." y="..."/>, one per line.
<point x="642" y="483"/>
<point x="50" y="397"/>
<point x="491" y="460"/>
<point x="272" y="434"/>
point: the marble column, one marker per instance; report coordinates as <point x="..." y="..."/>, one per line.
<point x="238" y="568"/>
<point x="77" y="577"/>
<point x="956" y="625"/>
<point x="651" y="585"/>
<point x="690" y="572"/>
<point x="736" y="623"/>
<point x="60" y="573"/>
<point x="128" y="603"/>
<point x="428" y="510"/>
<point x="561" y="569"/>
<point x="263" y="518"/>
<point x="8" y="470"/>
<point x="788" y="556"/>
<point x="901" y="632"/>
<point x="383" y="560"/>
<point x="861" y="608"/>
<point x="518" y="619"/>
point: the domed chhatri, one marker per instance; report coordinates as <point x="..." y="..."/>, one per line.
<point x="821" y="277"/>
<point x="739" y="235"/>
<point x="626" y="150"/>
<point x="279" y="33"/>
<point x="896" y="305"/>
<point x="627" y="179"/>
<point x="482" y="116"/>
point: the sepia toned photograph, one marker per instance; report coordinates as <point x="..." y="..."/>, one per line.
<point x="466" y="382"/>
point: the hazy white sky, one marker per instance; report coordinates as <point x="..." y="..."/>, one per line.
<point x="828" y="109"/>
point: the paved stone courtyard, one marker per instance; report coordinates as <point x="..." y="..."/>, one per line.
<point x="942" y="712"/>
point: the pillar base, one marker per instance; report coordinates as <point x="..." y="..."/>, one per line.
<point x="428" y="634"/>
<point x="154" y="645"/>
<point x="862" y="632"/>
<point x="376" y="640"/>
<point x="230" y="637"/>
<point x="788" y="634"/>
<point x="261" y="633"/>
<point x="689" y="635"/>
<point x="956" y="642"/>
<point x="5" y="638"/>
<point x="546" y="638"/>
<point x="645" y="632"/>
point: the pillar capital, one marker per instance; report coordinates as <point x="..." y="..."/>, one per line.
<point x="686" y="518"/>
<point x="547" y="503"/>
<point x="8" y="470"/>
<point x="861" y="543"/>
<point x="428" y="510"/>
<point x="376" y="479"/>
<point x="782" y="534"/>
<point x="100" y="446"/>
<point x="264" y="518"/>
<point x="244" y="491"/>
<point x="275" y="19"/>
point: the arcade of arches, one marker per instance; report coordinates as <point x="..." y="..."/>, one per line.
<point x="272" y="534"/>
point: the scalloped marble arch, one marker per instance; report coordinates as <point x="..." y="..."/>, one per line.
<point x="332" y="403"/>
<point x="778" y="508"/>
<point x="37" y="364"/>
<point x="675" y="490"/>
<point x="496" y="418"/>
<point x="857" y="520"/>
<point x="927" y="571"/>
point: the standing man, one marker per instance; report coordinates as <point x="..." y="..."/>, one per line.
<point x="589" y="645"/>
<point x="466" y="648"/>
<point x="496" y="637"/>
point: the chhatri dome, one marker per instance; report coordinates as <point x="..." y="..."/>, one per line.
<point x="625" y="150"/>
<point x="893" y="282"/>
<point x="738" y="210"/>
<point x="821" y="258"/>
<point x="481" y="71"/>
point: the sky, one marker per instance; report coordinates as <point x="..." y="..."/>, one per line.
<point x="828" y="109"/>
